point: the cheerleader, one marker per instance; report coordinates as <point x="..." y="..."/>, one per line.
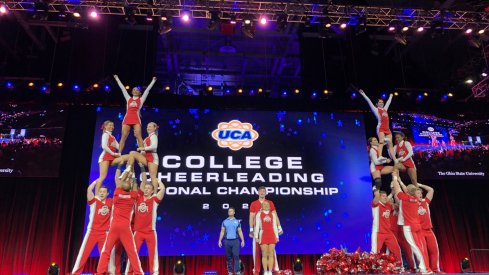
<point x="404" y="151"/>
<point x="132" y="118"/>
<point x="266" y="233"/>
<point x="377" y="168"/>
<point x="147" y="154"/>
<point x="109" y="155"/>
<point x="383" y="132"/>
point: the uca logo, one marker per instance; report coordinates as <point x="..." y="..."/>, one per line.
<point x="235" y="135"/>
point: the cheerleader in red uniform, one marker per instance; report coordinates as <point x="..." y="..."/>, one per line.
<point x="266" y="233"/>
<point x="383" y="131"/>
<point x="109" y="155"/>
<point x="404" y="151"/>
<point x="147" y="154"/>
<point x="377" y="168"/>
<point x="132" y="118"/>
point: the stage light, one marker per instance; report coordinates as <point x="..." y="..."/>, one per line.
<point x="419" y="97"/>
<point x="45" y="89"/>
<point x="468" y="31"/>
<point x="31" y="84"/>
<point x="232" y="19"/>
<point x="149" y="16"/>
<point x="130" y="15"/>
<point x="383" y="95"/>
<point x="420" y="29"/>
<point x="93" y="13"/>
<point x="325" y="91"/>
<point x="9" y="85"/>
<point x="481" y="31"/>
<point x="107" y="88"/>
<point x="186" y="16"/>
<point x="214" y="21"/>
<point x="284" y="94"/>
<point x="353" y="95"/>
<point x="263" y="20"/>
<point x="209" y="88"/>
<point x="396" y="93"/>
<point x="425" y="94"/>
<point x="260" y="90"/>
<point x="465" y="265"/>
<point x="179" y="268"/>
<point x="165" y="25"/>
<point x="76" y="87"/>
<point x="60" y="84"/>
<point x="53" y="269"/>
<point x="281" y="22"/>
<point x="297" y="267"/>
<point x="484" y="74"/>
<point x="405" y="28"/>
<point x="76" y="14"/>
<point x="314" y="95"/>
<point x="167" y="88"/>
<point x="297" y="91"/>
<point x="3" y="9"/>
<point x="450" y="94"/>
<point x="95" y="85"/>
<point x="392" y="28"/>
<point x="127" y="87"/>
<point x="240" y="91"/>
<point x="248" y="28"/>
<point x="469" y="81"/>
<point x="343" y="25"/>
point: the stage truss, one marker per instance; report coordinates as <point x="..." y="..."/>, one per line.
<point x="296" y="12"/>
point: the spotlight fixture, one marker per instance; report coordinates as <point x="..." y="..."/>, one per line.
<point x="240" y="91"/>
<point x="185" y="16"/>
<point x="93" y="13"/>
<point x="405" y="28"/>
<point x="165" y="24"/>
<point x="343" y="25"/>
<point x="209" y="89"/>
<point x="232" y="19"/>
<point x="130" y="15"/>
<point x="149" y="16"/>
<point x="481" y="31"/>
<point x="60" y="84"/>
<point x="325" y="92"/>
<point x="53" y="269"/>
<point x="248" y="27"/>
<point x="281" y="22"/>
<point x="420" y="29"/>
<point x="465" y="265"/>
<point x="263" y="20"/>
<point x="297" y="91"/>
<point x="31" y="84"/>
<point x="179" y="268"/>
<point x="76" y="14"/>
<point x="214" y="21"/>
<point x="297" y="267"/>
<point x="3" y="9"/>
<point x="469" y="81"/>
<point x="468" y="31"/>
